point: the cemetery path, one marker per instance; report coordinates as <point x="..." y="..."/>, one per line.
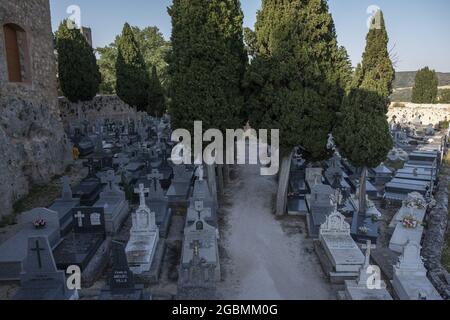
<point x="265" y="262"/>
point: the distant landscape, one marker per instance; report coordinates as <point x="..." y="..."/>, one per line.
<point x="404" y="82"/>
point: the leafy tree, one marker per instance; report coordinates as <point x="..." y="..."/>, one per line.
<point x="426" y="87"/>
<point x="132" y="76"/>
<point x="78" y="73"/>
<point x="445" y="96"/>
<point x="207" y="63"/>
<point x="250" y="42"/>
<point x="154" y="49"/>
<point x="157" y="100"/>
<point x="362" y="135"/>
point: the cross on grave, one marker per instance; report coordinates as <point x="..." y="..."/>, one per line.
<point x="80" y="217"/>
<point x="199" y="207"/>
<point x="90" y="165"/>
<point x="38" y="250"/>
<point x="368" y="247"/>
<point x="142" y="191"/>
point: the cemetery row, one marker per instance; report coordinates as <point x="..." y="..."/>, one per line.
<point x="130" y="177"/>
<point x="328" y="195"/>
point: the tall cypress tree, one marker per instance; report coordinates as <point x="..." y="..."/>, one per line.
<point x="132" y="76"/>
<point x="362" y="135"/>
<point x="426" y="86"/>
<point x="207" y="63"/>
<point x="156" y="98"/>
<point x="295" y="80"/>
<point x="78" y="72"/>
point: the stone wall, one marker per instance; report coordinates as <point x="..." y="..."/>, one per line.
<point x="33" y="145"/>
<point x="102" y="106"/>
<point x="434" y="240"/>
<point x="424" y="114"/>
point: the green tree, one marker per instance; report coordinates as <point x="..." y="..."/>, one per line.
<point x="444" y="96"/>
<point x="157" y="100"/>
<point x="154" y="49"/>
<point x="78" y="73"/>
<point x="207" y="63"/>
<point x="377" y="72"/>
<point x="295" y="81"/>
<point x="132" y="76"/>
<point x="250" y="42"/>
<point x="362" y="135"/>
<point x="426" y="86"/>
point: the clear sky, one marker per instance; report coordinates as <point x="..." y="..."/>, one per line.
<point x="419" y="30"/>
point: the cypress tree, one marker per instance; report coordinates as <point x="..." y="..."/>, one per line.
<point x="78" y="72"/>
<point x="426" y="86"/>
<point x="156" y="99"/>
<point x="295" y="81"/>
<point x="207" y="63"/>
<point x="378" y="72"/>
<point x="362" y="135"/>
<point x="132" y="76"/>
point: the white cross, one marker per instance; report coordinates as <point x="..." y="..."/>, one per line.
<point x="80" y="217"/>
<point x="142" y="191"/>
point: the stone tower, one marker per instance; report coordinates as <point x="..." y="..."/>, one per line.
<point x="33" y="145"/>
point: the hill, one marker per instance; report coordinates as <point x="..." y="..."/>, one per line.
<point x="406" y="79"/>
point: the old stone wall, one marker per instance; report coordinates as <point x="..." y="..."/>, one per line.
<point x="33" y="145"/>
<point x="102" y="106"/>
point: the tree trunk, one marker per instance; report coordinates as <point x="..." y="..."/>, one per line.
<point x="362" y="192"/>
<point x="212" y="182"/>
<point x="220" y="183"/>
<point x="226" y="174"/>
<point x="283" y="184"/>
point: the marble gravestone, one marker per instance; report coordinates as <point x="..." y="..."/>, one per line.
<point x="410" y="276"/>
<point x="40" y="279"/>
<point x="179" y="189"/>
<point x="200" y="265"/>
<point x="340" y="248"/>
<point x="159" y="203"/>
<point x="144" y="236"/>
<point x="403" y="234"/>
<point x="313" y="176"/>
<point x="197" y="210"/>
<point x="113" y="200"/>
<point x="64" y="206"/>
<point x="365" y="287"/>
<point x="320" y="204"/>
<point x="121" y="284"/>
<point x="414" y="206"/>
<point x="88" y="235"/>
<point x="202" y="192"/>
<point x="14" y="250"/>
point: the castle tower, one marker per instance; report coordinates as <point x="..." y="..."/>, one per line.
<point x="34" y="147"/>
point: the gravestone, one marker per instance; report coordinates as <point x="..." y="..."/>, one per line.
<point x="121" y="285"/>
<point x="40" y="279"/>
<point x="403" y="234"/>
<point x="113" y="200"/>
<point x="341" y="249"/>
<point x="89" y="188"/>
<point x="64" y="206"/>
<point x="14" y="250"/>
<point x="144" y="236"/>
<point x="313" y="176"/>
<point x="179" y="189"/>
<point x="200" y="265"/>
<point x="159" y="203"/>
<point x="320" y="204"/>
<point x="410" y="276"/>
<point x="81" y="245"/>
<point x="202" y="192"/>
<point x="366" y="286"/>
<point x="414" y="206"/>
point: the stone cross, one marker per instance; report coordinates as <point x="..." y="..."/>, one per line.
<point x="80" y="217"/>
<point x="141" y="191"/>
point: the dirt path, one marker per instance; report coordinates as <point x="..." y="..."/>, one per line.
<point x="264" y="261"/>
